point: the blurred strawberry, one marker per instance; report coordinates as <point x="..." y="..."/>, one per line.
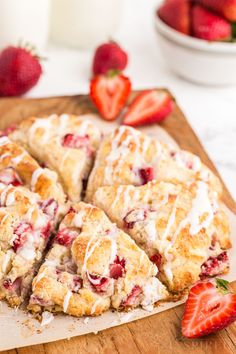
<point x="209" y="26"/>
<point x="150" y="106"/>
<point x="109" y="93"/>
<point x="20" y="70"/>
<point x="176" y="14"/>
<point x="109" y="56"/>
<point x="226" y="8"/>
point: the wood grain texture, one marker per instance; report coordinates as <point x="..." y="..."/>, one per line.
<point x="158" y="334"/>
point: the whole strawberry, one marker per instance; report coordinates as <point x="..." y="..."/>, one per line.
<point x="209" y="26"/>
<point x="20" y="70"/>
<point x="109" y="56"/>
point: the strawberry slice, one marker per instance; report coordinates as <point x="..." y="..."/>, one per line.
<point x="109" y="94"/>
<point x="210" y="307"/>
<point x="149" y="106"/>
<point x="209" y="26"/>
<point x="146" y="174"/>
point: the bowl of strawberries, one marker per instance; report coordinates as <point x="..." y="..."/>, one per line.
<point x="198" y="39"/>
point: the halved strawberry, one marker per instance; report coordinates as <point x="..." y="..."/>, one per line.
<point x="209" y="308"/>
<point x="149" y="106"/>
<point x="109" y="94"/>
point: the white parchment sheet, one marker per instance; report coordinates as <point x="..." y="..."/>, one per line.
<point x="18" y="329"/>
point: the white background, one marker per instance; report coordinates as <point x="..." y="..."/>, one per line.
<point x="211" y="111"/>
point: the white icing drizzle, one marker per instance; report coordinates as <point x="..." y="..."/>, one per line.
<point x="78" y="219"/>
<point x="117" y="197"/>
<point x="28" y="251"/>
<point x="119" y="149"/>
<point x="84" y="126"/>
<point x="95" y="305"/>
<point x="6" y="261"/>
<point x="66" y="300"/>
<point x="4" y="140"/>
<point x="6" y="154"/>
<point x="45" y="125"/>
<point x="201" y="205"/>
<point x="16" y="160"/>
<point x="35" y="176"/>
<point x="47" y="317"/>
<point x="38" y="278"/>
<point x="63" y="121"/>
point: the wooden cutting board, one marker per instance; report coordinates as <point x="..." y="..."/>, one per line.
<point x="158" y="334"/>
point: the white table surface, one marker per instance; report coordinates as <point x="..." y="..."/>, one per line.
<point x="211" y="111"/>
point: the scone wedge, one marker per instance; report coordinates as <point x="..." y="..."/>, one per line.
<point x="65" y="143"/>
<point x="19" y="168"/>
<point x="93" y="266"/>
<point x="129" y="157"/>
<point x="183" y="229"/>
<point x="25" y="228"/>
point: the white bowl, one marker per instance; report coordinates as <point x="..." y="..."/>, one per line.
<point x="203" y="62"/>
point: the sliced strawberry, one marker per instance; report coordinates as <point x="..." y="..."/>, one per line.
<point x="146" y="174"/>
<point x="209" y="26"/>
<point x="133" y="297"/>
<point x="49" y="207"/>
<point x="109" y="94"/>
<point x="9" y="176"/>
<point x="78" y="142"/>
<point x="7" y="283"/>
<point x="149" y="106"/>
<point x="225" y="8"/>
<point x="117" y="268"/>
<point x="176" y="14"/>
<point x="65" y="237"/>
<point x="157" y="259"/>
<point x="99" y="283"/>
<point x="134" y="216"/>
<point x="21" y="231"/>
<point x="215" y="265"/>
<point x="209" y="308"/>
<point x="45" y="231"/>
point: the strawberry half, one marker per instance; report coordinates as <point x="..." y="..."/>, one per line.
<point x="176" y="14"/>
<point x="209" y="26"/>
<point x="150" y="106"/>
<point x="110" y="93"/>
<point x="226" y="8"/>
<point x="210" y="307"/>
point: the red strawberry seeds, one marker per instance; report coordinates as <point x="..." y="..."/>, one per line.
<point x="19" y="71"/>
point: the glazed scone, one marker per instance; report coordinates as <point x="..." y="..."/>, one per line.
<point x="93" y="266"/>
<point x="18" y="168"/>
<point x="182" y="229"/>
<point x="25" y="228"/>
<point x="127" y="156"/>
<point x="65" y="143"/>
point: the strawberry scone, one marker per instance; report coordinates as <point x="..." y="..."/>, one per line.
<point x="93" y="266"/>
<point x="183" y="229"/>
<point x="65" y="143"/>
<point x="18" y="168"/>
<point x="25" y="228"/>
<point x="127" y="156"/>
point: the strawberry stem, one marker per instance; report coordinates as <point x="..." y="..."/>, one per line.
<point x="222" y="285"/>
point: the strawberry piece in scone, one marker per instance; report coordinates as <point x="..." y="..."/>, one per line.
<point x="93" y="266"/>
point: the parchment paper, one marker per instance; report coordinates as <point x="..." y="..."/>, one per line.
<point x="19" y="329"/>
